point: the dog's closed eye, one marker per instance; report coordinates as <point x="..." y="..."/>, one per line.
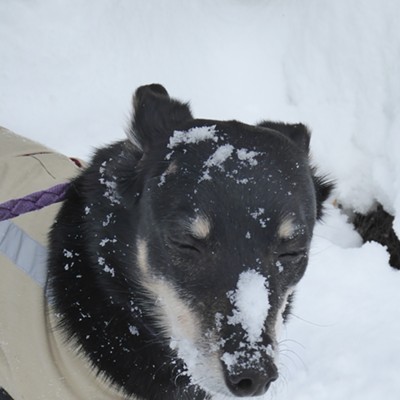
<point x="292" y="256"/>
<point x="186" y="243"/>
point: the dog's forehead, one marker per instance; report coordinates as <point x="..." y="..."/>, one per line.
<point x="233" y="153"/>
<point x="213" y="171"/>
<point x="217" y="134"/>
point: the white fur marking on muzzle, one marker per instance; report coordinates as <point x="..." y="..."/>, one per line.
<point x="279" y="318"/>
<point x="174" y="316"/>
<point x="181" y="326"/>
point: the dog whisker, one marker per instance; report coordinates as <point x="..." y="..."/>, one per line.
<point x="287" y="353"/>
<point x="311" y="322"/>
<point x="283" y="342"/>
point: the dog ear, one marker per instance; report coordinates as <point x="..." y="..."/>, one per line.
<point x="323" y="189"/>
<point x="298" y="133"/>
<point x="155" y="117"/>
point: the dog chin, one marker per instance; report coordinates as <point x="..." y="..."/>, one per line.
<point x="210" y="380"/>
<point x="203" y="366"/>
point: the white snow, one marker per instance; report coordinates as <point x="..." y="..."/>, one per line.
<point x="70" y="256"/>
<point x="106" y="268"/>
<point x="256" y="214"/>
<point x="67" y="73"/>
<point x="108" y="219"/>
<point x="133" y="330"/>
<point x="217" y="159"/>
<point x="109" y="270"/>
<point x="220" y="155"/>
<point x="193" y="135"/>
<point x="104" y="241"/>
<point x="248" y="155"/>
<point x="251" y="304"/>
<point x="67" y="253"/>
<point x="279" y="265"/>
<point x="246" y="359"/>
<point x="344" y="326"/>
<point x="110" y="191"/>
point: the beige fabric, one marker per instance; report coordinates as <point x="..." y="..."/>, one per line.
<point x="35" y="364"/>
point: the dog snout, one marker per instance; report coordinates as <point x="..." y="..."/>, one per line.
<point x="251" y="382"/>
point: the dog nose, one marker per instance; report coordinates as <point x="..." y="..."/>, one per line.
<point x="251" y="382"/>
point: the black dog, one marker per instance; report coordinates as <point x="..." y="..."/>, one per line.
<point x="174" y="257"/>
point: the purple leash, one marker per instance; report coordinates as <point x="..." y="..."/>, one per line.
<point x="33" y="202"/>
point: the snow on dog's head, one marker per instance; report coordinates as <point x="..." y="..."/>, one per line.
<point x="251" y="304"/>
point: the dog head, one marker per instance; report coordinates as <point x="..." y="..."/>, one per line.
<point x="225" y="219"/>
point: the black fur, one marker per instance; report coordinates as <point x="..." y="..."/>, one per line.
<point x="93" y="279"/>
<point x="377" y="225"/>
<point x="300" y="134"/>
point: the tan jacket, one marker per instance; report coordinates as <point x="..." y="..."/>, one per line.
<point x="35" y="364"/>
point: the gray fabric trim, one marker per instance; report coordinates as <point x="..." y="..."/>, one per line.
<point x="27" y="254"/>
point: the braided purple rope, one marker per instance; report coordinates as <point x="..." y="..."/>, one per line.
<point x="33" y="202"/>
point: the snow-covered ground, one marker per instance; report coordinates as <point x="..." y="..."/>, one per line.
<point x="67" y="72"/>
